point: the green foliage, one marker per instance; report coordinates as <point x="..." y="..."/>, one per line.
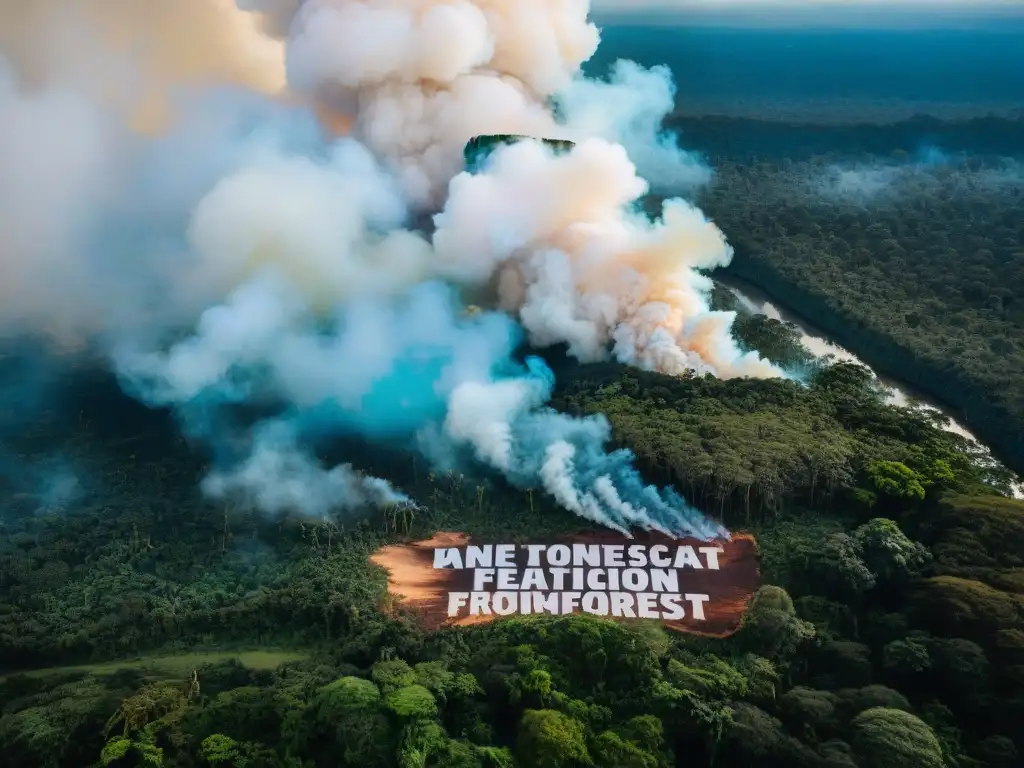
<point x="582" y="691"/>
<point x="413" y="702"/>
<point x="892" y="738"/>
<point x="809" y="712"/>
<point x="393" y="674"/>
<point x="710" y="678"/>
<point x="762" y="677"/>
<point x="128" y="752"/>
<point x="773" y="339"/>
<point x="887" y="552"/>
<point x="771" y="627"/>
<point x="437" y="678"/>
<point x="479" y="148"/>
<point x="115" y="751"/>
<point x="247" y="713"/>
<point x="218" y="749"/>
<point x="966" y="607"/>
<point x="906" y="657"/>
<point x="550" y="739"/>
<point x="756" y="738"/>
<point x="57" y="725"/>
<point x="853" y="701"/>
<point x="346" y="695"/>
<point x="839" y="561"/>
<point x="350" y="712"/>
<point x="610" y="751"/>
<point x="921" y="281"/>
<point x="895" y="479"/>
<point x="638" y="743"/>
<point x="978" y="538"/>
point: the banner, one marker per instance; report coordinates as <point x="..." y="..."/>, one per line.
<point x="687" y="584"/>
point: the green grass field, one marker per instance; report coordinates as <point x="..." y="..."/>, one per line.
<point x="175" y="665"/>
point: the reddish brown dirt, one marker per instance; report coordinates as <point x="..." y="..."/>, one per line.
<point x="424" y="589"/>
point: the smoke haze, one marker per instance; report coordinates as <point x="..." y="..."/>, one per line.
<point x="928" y="172"/>
<point x="134" y="55"/>
<point x="206" y="235"/>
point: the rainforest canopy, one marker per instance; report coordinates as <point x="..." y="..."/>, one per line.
<point x="479" y="148"/>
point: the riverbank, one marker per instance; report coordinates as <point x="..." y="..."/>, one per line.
<point x="962" y="400"/>
<point x="753" y="299"/>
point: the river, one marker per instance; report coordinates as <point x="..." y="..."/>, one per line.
<point x="751" y="298"/>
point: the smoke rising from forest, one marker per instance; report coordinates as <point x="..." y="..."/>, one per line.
<point x="929" y="171"/>
<point x="235" y="253"/>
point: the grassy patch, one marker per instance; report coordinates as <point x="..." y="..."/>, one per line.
<point x="176" y="665"/>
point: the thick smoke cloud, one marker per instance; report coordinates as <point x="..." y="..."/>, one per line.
<point x="578" y="266"/>
<point x="47" y="176"/>
<point x="629" y="108"/>
<point x="246" y="261"/>
<point x="133" y="55"/>
<point x="451" y="70"/>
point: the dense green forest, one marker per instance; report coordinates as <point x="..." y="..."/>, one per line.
<point x="889" y="630"/>
<point x="910" y="257"/>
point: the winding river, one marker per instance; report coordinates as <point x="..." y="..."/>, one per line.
<point x="754" y="300"/>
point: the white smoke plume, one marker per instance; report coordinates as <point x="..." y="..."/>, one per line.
<point x="928" y="173"/>
<point x="419" y="78"/>
<point x="578" y="266"/>
<point x="278" y="477"/>
<point x="246" y="257"/>
<point x="629" y="109"/>
<point x="451" y="70"/>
